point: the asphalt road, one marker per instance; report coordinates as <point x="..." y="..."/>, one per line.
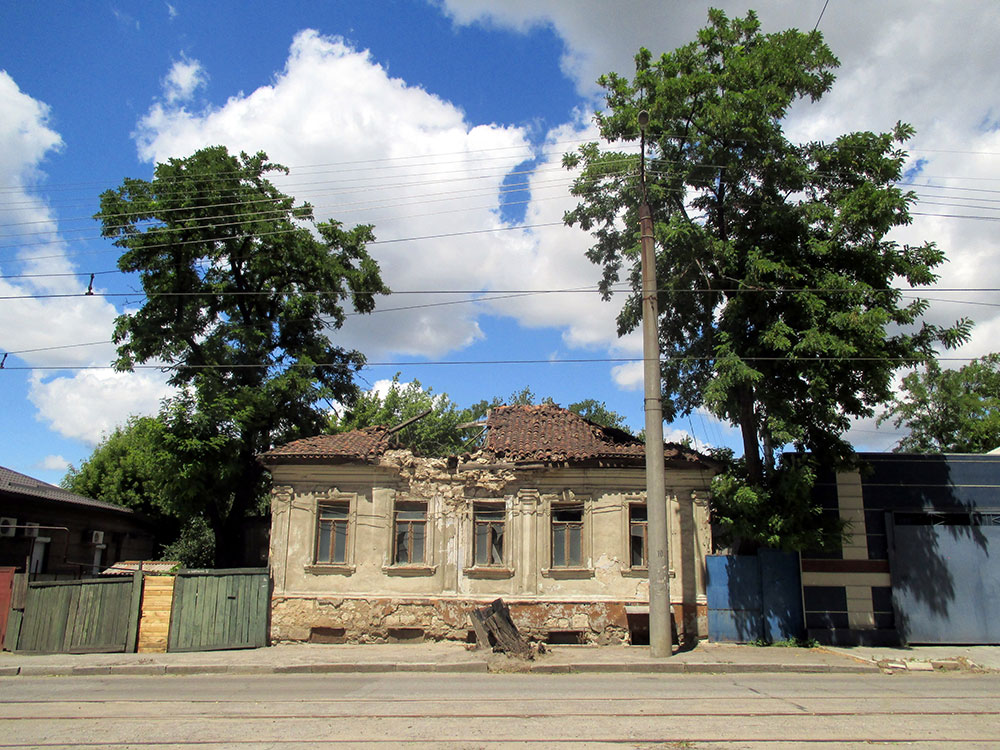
<point x="415" y="710"/>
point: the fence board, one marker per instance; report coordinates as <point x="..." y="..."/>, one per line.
<point x="157" y="599"/>
<point x="77" y="616"/>
<point x="223" y="609"/>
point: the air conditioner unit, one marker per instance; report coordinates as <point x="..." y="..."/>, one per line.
<point x="97" y="537"/>
<point x="31" y="529"/>
<point x="8" y="526"/>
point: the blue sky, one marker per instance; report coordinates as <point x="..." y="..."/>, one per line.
<point x="425" y="119"/>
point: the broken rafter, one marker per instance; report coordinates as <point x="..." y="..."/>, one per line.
<point x="408" y="422"/>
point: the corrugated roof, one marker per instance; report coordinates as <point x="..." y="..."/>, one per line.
<point x="548" y="433"/>
<point x="360" y="445"/>
<point x="128" y="567"/>
<point x="21" y="484"/>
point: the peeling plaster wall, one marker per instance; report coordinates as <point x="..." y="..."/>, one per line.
<point x="366" y="594"/>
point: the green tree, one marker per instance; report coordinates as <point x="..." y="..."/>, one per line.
<point x="242" y="289"/>
<point x="777" y="306"/>
<point x="435" y="434"/>
<point x="949" y="411"/>
<point x="134" y="467"/>
<point x="599" y="413"/>
<point x="126" y="468"/>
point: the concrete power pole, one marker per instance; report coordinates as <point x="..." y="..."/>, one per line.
<point x="660" y="633"/>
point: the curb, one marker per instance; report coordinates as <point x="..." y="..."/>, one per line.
<point x="145" y="670"/>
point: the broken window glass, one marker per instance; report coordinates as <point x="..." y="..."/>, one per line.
<point x="489" y="523"/>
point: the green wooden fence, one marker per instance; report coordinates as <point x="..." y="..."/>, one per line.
<point x="78" y="617"/>
<point x="220" y="609"/>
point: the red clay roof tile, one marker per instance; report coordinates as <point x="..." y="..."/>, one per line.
<point x="361" y="445"/>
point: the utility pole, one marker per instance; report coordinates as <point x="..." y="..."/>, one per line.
<point x="660" y="632"/>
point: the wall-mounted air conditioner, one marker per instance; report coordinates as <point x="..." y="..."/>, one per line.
<point x="31" y="529"/>
<point x="8" y="526"/>
<point x="97" y="537"/>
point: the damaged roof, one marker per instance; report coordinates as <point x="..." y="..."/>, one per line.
<point x="550" y="434"/>
<point x="543" y="433"/>
<point x="358" y="445"/>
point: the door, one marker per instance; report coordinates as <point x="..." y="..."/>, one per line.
<point x="946" y="577"/>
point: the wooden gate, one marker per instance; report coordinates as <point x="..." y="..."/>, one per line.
<point x="78" y="617"/>
<point x="220" y="609"/>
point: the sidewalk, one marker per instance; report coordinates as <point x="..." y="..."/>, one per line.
<point x="707" y="658"/>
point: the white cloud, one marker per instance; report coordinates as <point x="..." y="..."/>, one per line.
<point x="52" y="463"/>
<point x="91" y="403"/>
<point x="628" y="376"/>
<point x="36" y="323"/>
<point x="185" y="77"/>
<point x="368" y="148"/>
<point x="37" y="327"/>
<point x="171" y="11"/>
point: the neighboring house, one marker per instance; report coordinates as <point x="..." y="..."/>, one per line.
<point x="369" y="543"/>
<point x="49" y="531"/>
<point x="922" y="561"/>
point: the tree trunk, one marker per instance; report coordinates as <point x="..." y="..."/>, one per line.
<point x="230" y="531"/>
<point x="751" y="444"/>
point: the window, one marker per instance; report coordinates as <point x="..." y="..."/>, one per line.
<point x="410" y="533"/>
<point x="489" y="528"/>
<point x="331" y="545"/>
<point x="638" y="528"/>
<point x="567" y="536"/>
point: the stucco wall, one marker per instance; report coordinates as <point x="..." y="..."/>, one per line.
<point x="306" y="592"/>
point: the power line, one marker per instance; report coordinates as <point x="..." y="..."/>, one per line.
<point x="287" y="231"/>
<point x="872" y="292"/>
<point x="239" y="219"/>
<point x="492" y="362"/>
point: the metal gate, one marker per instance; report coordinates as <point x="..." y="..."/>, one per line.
<point x="220" y="609"/>
<point x="6" y="599"/>
<point x="78" y="617"/>
<point x="946" y="577"/>
<point x="754" y="598"/>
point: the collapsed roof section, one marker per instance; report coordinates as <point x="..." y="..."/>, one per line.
<point x="542" y="433"/>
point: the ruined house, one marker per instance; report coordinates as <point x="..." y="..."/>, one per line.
<point x="371" y="544"/>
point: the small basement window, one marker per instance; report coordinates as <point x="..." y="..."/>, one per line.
<point x="564" y="637"/>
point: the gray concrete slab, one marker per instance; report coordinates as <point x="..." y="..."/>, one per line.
<point x="974" y="658"/>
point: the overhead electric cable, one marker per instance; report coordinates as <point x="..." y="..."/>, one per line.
<point x="491" y="362"/>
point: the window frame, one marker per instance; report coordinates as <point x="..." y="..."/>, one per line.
<point x="334" y="499"/>
<point x="345" y="521"/>
<point x="630" y="508"/>
<point x="565" y="526"/>
<point x="409" y="506"/>
<point x="481" y="509"/>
